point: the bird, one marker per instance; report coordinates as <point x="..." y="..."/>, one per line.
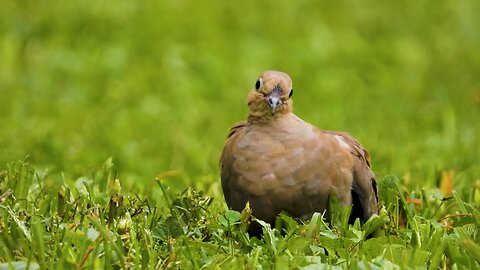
<point x="277" y="162"/>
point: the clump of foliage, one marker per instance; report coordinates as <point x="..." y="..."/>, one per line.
<point x="91" y="223"/>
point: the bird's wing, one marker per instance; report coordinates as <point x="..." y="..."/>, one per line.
<point x="364" y="186"/>
<point x="226" y="164"/>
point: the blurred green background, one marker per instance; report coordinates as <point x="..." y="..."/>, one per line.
<point x="156" y="85"/>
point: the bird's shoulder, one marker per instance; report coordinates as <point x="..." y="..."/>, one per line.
<point x="237" y="129"/>
<point x="353" y="144"/>
<point x="234" y="134"/>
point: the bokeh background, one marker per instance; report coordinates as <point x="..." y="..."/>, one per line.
<point x="157" y="84"/>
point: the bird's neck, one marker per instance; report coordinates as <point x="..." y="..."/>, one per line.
<point x="281" y="127"/>
<point x="268" y="118"/>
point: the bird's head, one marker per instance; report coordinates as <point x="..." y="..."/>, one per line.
<point x="271" y="96"/>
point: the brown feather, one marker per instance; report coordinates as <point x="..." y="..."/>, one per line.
<point x="278" y="162"/>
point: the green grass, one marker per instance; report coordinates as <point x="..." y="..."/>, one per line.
<point x="47" y="223"/>
<point x="156" y="86"/>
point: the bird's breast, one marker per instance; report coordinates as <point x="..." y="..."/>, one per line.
<point x="283" y="162"/>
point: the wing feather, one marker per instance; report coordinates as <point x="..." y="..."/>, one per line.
<point x="364" y="186"/>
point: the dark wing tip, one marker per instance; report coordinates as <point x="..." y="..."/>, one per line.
<point x="374" y="186"/>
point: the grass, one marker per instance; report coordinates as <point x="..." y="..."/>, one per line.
<point x="48" y="223"/>
<point x="157" y="85"/>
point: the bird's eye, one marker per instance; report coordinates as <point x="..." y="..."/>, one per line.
<point x="291" y="93"/>
<point x="258" y="84"/>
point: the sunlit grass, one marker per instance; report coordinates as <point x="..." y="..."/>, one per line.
<point x="91" y="223"/>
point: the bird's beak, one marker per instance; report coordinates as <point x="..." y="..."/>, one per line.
<point x="274" y="101"/>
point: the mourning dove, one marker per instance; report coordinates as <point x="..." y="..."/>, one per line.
<point x="278" y="162"/>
